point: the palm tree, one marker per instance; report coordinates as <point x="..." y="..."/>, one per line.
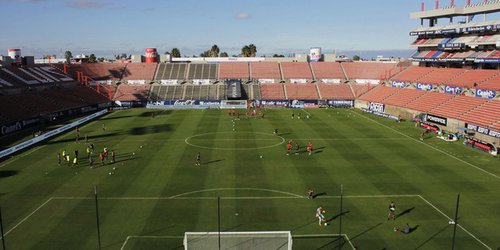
<point x="214" y="51"/>
<point x="176" y="53"/>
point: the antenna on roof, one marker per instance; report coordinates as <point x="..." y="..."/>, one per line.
<point x="437" y="4"/>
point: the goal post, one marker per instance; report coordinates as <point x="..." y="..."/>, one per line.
<point x="279" y="240"/>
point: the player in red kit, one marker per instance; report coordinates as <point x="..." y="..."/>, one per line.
<point x="288" y="147"/>
<point x="309" y="147"/>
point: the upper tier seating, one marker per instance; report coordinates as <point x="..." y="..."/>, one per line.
<point x="202" y="71"/>
<point x="234" y="70"/>
<point x="126" y="92"/>
<point x="171" y="71"/>
<point x="412" y="74"/>
<point x="98" y="71"/>
<point x="265" y="70"/>
<point x="471" y="77"/>
<point x="272" y="91"/>
<point x="327" y="70"/>
<point x="379" y="94"/>
<point x="492" y="83"/>
<point x="335" y="91"/>
<point x="139" y="71"/>
<point x="25" y="76"/>
<point x="457" y="106"/>
<point x="296" y="70"/>
<point x="429" y="101"/>
<point x="302" y="91"/>
<point x="369" y="70"/>
<point x="403" y="97"/>
<point x="441" y="75"/>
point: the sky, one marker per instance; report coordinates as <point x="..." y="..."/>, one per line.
<point x="110" y="27"/>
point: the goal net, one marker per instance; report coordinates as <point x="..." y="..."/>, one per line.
<point x="276" y="240"/>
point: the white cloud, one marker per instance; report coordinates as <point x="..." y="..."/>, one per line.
<point x="243" y="16"/>
<point x="85" y="4"/>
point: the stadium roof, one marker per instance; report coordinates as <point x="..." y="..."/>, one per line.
<point x="488" y="7"/>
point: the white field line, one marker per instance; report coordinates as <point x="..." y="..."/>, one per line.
<point x="307" y="112"/>
<point x="449" y="219"/>
<point x="294" y="196"/>
<point x="182" y="237"/>
<point x="430" y="146"/>
<point x="28" y="216"/>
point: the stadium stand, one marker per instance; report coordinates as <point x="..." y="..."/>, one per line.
<point x="456" y="106"/>
<point x="98" y="71"/>
<point x="33" y="104"/>
<point x="412" y="74"/>
<point x="139" y="71"/>
<point x="171" y="71"/>
<point x="28" y="76"/>
<point x="127" y="92"/>
<point x="221" y="92"/>
<point x="493" y="83"/>
<point x="335" y="91"/>
<point x="296" y="70"/>
<point x="369" y="70"/>
<point x="256" y="91"/>
<point x="488" y="115"/>
<point x="361" y="89"/>
<point x="471" y="78"/>
<point x="403" y="96"/>
<point x="302" y="91"/>
<point x="202" y="71"/>
<point x="328" y="71"/>
<point x="265" y="70"/>
<point x="441" y="75"/>
<point x="429" y="101"/>
<point x="272" y="92"/>
<point x="378" y="94"/>
<point x="234" y="70"/>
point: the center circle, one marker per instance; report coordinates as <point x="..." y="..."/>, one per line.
<point x="235" y="140"/>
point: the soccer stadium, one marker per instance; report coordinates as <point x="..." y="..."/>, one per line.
<point x="310" y="151"/>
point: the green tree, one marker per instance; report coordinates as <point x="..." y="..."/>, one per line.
<point x="253" y="50"/>
<point x="206" y="53"/>
<point x="356" y="58"/>
<point x="176" y="53"/>
<point x="276" y="55"/>
<point x="224" y="54"/>
<point x="92" y="58"/>
<point x="214" y="51"/>
<point x="68" y="55"/>
<point x="245" y="51"/>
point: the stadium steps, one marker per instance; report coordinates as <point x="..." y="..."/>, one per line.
<point x="352" y="90"/>
<point x="343" y="71"/>
<point x="313" y="74"/>
<point x="317" y="90"/>
<point x="284" y="91"/>
<point x="281" y="74"/>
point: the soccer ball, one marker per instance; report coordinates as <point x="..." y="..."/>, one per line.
<point x="261" y="156"/>
<point x="109" y="173"/>
<point x="326" y="223"/>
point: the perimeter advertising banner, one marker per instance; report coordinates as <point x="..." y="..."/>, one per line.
<point x="483" y="130"/>
<point x="272" y="103"/>
<point x="341" y="103"/>
<point x="304" y="104"/>
<point x="453" y="90"/>
<point x="424" y="86"/>
<point x="483" y="93"/>
<point x="396" y="84"/>
<point x="377" y="107"/>
<point x="188" y="104"/>
<point x="437" y="119"/>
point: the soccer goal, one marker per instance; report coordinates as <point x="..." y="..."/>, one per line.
<point x="276" y="240"/>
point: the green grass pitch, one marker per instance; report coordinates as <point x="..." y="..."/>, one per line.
<point x="156" y="193"/>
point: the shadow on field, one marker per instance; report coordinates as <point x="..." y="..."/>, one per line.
<point x="116" y="117"/>
<point x="214" y="161"/>
<point x="8" y="173"/>
<point x="407" y="211"/>
<point x="319" y="194"/>
<point x="338" y="215"/>
<point x="156" y="113"/>
<point x="82" y="138"/>
<point x="432" y="237"/>
<point x="366" y="231"/>
<point x="153" y="129"/>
